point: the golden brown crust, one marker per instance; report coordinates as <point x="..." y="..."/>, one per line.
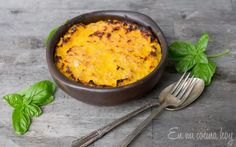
<point x="107" y="53"/>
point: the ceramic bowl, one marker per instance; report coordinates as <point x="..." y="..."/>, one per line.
<point x="107" y="95"/>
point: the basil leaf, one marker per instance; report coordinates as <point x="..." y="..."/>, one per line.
<point x="179" y="49"/>
<point x="192" y="57"/>
<point x="39" y="92"/>
<point x="47" y="101"/>
<point x="186" y="63"/>
<point x="14" y="100"/>
<point x="33" y="110"/>
<point x="201" y="58"/>
<point x="27" y="100"/>
<point x="26" y="104"/>
<point x="202" y="42"/>
<point x="21" y="121"/>
<point x="204" y="71"/>
<point x="50" y="35"/>
<point x="212" y="67"/>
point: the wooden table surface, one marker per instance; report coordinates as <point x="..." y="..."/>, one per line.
<point x="24" y="24"/>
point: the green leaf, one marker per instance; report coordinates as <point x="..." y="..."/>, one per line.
<point x="179" y="49"/>
<point x="32" y="110"/>
<point x="14" y="100"/>
<point x="189" y="57"/>
<point x="202" y="42"/>
<point x="186" y="63"/>
<point x="27" y="102"/>
<point x="39" y="92"/>
<point x="20" y="121"/>
<point x="201" y="58"/>
<point x="47" y="101"/>
<point x="50" y="35"/>
<point x="204" y="71"/>
<point x="212" y="67"/>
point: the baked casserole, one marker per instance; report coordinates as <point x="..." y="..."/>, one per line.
<point x="109" y="53"/>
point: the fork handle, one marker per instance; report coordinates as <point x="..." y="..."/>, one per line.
<point x="95" y="135"/>
<point x="141" y="126"/>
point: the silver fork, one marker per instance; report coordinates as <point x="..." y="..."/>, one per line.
<point x="169" y="97"/>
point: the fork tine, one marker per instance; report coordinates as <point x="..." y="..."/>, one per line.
<point x="177" y="84"/>
<point x="186" y="86"/>
<point x="189" y="90"/>
<point x="182" y="84"/>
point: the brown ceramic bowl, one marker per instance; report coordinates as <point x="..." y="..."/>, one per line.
<point x="106" y="95"/>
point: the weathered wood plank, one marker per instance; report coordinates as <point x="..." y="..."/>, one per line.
<point x="25" y="24"/>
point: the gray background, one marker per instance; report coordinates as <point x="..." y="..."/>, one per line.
<point x="25" y="23"/>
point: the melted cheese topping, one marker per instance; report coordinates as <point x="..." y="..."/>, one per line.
<point x="107" y="53"/>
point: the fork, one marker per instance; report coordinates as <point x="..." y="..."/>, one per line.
<point x="175" y="97"/>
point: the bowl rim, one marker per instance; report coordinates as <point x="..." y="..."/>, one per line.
<point x="58" y="76"/>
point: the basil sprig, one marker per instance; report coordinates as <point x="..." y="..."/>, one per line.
<point x="27" y="102"/>
<point x="192" y="57"/>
